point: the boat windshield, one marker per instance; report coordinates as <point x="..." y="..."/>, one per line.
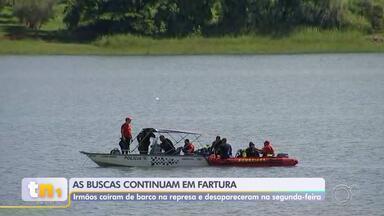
<point x="176" y="136"/>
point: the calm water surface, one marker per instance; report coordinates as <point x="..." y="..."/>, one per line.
<point x="326" y="110"/>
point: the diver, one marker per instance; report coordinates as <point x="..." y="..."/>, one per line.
<point x="144" y="140"/>
<point x="188" y="148"/>
<point x="252" y="151"/>
<point x="225" y="149"/>
<point x="167" y="146"/>
<point x="215" y="145"/>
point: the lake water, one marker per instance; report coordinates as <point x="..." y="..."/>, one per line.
<point x="326" y="110"/>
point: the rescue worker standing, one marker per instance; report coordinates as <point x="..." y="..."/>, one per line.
<point x="126" y="135"/>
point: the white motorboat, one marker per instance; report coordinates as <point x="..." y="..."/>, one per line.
<point x="157" y="159"/>
<point x="137" y="160"/>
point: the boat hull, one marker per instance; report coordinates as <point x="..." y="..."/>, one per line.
<point x="136" y="160"/>
<point x="252" y="162"/>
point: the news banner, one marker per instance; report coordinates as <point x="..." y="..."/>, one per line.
<point x="173" y="189"/>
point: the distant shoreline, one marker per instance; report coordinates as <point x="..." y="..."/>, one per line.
<point x="303" y="42"/>
<point x="54" y="39"/>
<point x="170" y="55"/>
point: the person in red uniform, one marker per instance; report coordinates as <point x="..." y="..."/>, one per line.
<point x="188" y="148"/>
<point x="126" y="135"/>
<point x="267" y="150"/>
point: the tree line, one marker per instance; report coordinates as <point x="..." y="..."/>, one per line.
<point x="176" y="18"/>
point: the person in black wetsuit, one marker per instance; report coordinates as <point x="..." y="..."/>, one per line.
<point x="225" y="149"/>
<point x="216" y="145"/>
<point x="167" y="146"/>
<point x="144" y="139"/>
<point x="252" y="151"/>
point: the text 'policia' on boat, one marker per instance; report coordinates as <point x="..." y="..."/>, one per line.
<point x="154" y="184"/>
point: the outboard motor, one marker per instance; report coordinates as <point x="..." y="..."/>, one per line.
<point x="282" y="155"/>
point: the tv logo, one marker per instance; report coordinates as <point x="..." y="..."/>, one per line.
<point x="44" y="189"/>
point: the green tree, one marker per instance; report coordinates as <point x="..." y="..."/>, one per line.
<point x="185" y="17"/>
<point x="148" y="17"/>
<point x="77" y="11"/>
<point x="233" y="16"/>
<point x="182" y="17"/>
<point x="3" y="3"/>
<point x="377" y="21"/>
<point x="274" y="16"/>
<point x="105" y="15"/>
<point x="324" y="13"/>
<point x="33" y="13"/>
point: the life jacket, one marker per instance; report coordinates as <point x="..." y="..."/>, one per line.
<point x="190" y="148"/>
<point x="268" y="151"/>
<point x="126" y="130"/>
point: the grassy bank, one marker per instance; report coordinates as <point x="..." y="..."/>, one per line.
<point x="307" y="41"/>
<point x="304" y="41"/>
<point x="16" y="39"/>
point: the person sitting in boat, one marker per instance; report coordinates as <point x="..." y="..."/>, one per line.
<point x="215" y="145"/>
<point x="167" y="146"/>
<point x="188" y="148"/>
<point x="126" y="136"/>
<point x="225" y="149"/>
<point x="252" y="151"/>
<point x="144" y="139"/>
<point x="268" y="150"/>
